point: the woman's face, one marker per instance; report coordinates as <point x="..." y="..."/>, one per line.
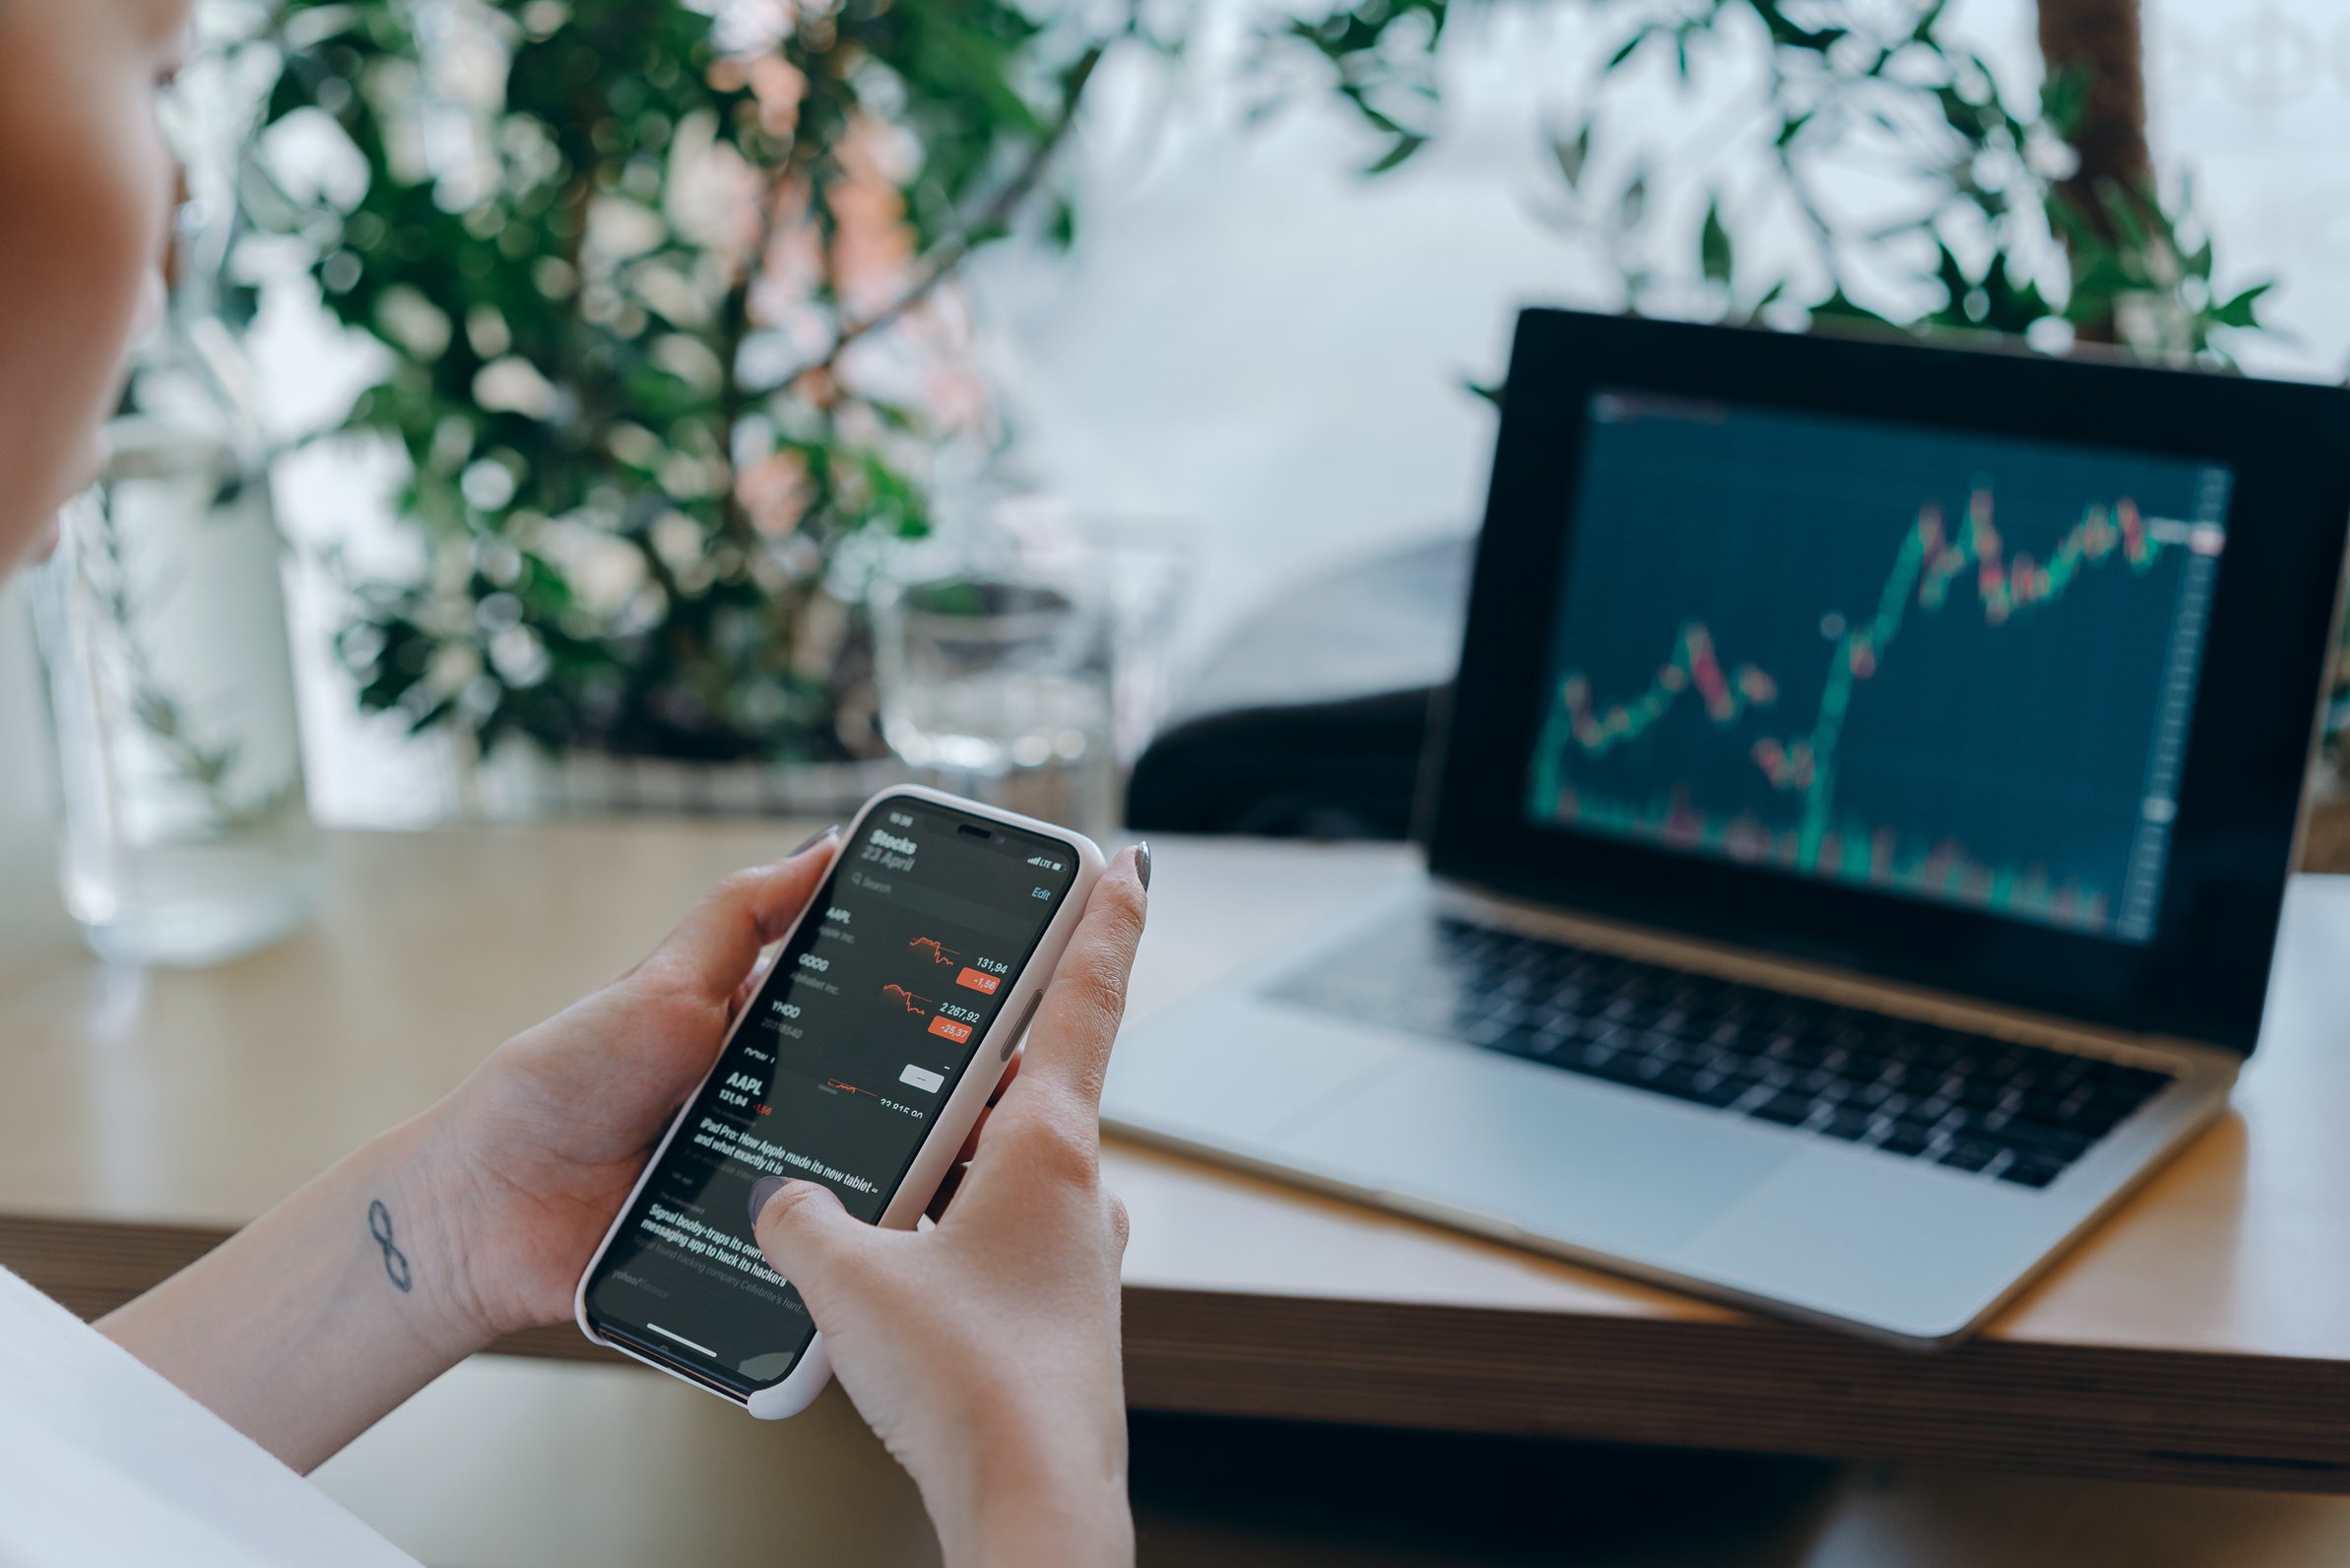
<point x="84" y="191"/>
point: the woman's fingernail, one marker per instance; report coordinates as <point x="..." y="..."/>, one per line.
<point x="1143" y="864"/>
<point x="764" y="1190"/>
<point x="814" y="839"/>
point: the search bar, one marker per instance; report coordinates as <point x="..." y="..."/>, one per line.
<point x="980" y="918"/>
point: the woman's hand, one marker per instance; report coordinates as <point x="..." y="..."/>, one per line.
<point x="533" y="1155"/>
<point x="984" y="1350"/>
<point x="472" y="1219"/>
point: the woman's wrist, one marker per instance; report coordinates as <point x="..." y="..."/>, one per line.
<point x="425" y="1199"/>
<point x="1081" y="1524"/>
<point x="307" y="1326"/>
<point x="418" y="1209"/>
<point x="1042" y="1486"/>
<point x="1070" y="1529"/>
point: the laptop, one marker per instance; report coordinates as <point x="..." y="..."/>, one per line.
<point x="1855" y="837"/>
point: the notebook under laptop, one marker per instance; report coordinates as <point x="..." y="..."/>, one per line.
<point x="1859" y="832"/>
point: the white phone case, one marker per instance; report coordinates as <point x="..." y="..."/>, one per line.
<point x="949" y="1129"/>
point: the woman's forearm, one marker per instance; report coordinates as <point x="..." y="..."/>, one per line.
<point x="311" y="1323"/>
<point x="472" y="1218"/>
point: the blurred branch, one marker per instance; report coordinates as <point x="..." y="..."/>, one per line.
<point x="937" y="264"/>
<point x="2097" y="44"/>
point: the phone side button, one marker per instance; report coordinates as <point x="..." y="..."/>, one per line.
<point x="1019" y="1029"/>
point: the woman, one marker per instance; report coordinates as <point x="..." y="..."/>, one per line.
<point x="983" y="1351"/>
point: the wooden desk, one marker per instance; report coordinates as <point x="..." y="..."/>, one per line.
<point x="2203" y="1335"/>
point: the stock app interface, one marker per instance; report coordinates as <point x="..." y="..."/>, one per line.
<point x="861" y="1031"/>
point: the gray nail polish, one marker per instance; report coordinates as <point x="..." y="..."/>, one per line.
<point x="764" y="1188"/>
<point x="814" y="839"/>
<point x="1143" y="864"/>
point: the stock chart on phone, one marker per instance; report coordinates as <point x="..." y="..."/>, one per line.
<point x="1948" y="665"/>
<point x="855" y="1040"/>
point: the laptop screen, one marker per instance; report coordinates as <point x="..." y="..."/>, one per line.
<point x="1958" y="668"/>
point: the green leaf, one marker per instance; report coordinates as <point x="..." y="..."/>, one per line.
<point x="2064" y="99"/>
<point x="2127" y="211"/>
<point x="1713" y="253"/>
<point x="1962" y="116"/>
<point x="1624" y="51"/>
<point x="1956" y="284"/>
<point x="1792" y="36"/>
<point x="2064" y="217"/>
<point x="2240" y="311"/>
<point x="1841" y="306"/>
<point x="1406" y="146"/>
<point x="1771" y="296"/>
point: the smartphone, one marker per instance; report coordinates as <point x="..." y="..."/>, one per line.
<point x="862" y="1061"/>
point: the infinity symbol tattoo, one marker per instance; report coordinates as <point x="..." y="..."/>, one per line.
<point x="395" y="1262"/>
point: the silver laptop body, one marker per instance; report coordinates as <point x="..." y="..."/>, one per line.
<point x="1618" y="1176"/>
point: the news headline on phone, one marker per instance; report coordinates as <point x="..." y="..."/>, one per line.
<point x="866" y="1023"/>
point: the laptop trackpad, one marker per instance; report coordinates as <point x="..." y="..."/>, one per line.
<point x="1581" y="1162"/>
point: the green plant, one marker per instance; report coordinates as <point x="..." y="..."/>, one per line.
<point x="2004" y="229"/>
<point x="660" y="300"/>
<point x="2035" y="216"/>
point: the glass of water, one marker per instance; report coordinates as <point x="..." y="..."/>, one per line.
<point x="162" y="623"/>
<point x="998" y="683"/>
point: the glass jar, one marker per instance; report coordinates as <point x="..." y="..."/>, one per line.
<point x="163" y="623"/>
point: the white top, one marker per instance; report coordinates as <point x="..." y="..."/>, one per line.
<point x="103" y="1463"/>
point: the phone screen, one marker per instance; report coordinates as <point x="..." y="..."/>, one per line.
<point x="863" y="1028"/>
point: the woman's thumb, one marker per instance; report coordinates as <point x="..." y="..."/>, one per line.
<point x="803" y="1230"/>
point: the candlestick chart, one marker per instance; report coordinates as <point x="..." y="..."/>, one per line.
<point x="1952" y="668"/>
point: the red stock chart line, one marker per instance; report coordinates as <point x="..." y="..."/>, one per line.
<point x="1933" y="559"/>
<point x="907" y="1000"/>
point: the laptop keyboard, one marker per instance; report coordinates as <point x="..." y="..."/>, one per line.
<point x="1971" y="1102"/>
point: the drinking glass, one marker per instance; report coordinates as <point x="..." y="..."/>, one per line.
<point x="999" y="683"/>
